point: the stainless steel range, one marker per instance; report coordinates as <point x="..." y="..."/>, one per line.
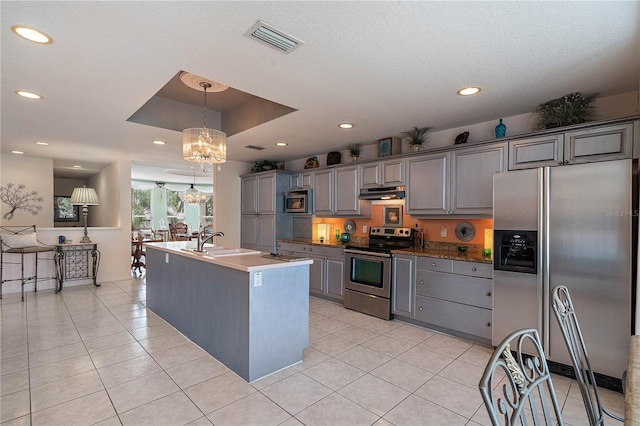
<point x="368" y="271"/>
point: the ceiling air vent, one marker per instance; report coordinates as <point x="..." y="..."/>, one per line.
<point x="257" y="148"/>
<point x="273" y="37"/>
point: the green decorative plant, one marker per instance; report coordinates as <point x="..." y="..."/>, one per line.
<point x="264" y="165"/>
<point x="566" y="110"/>
<point x="417" y="135"/>
<point x="354" y="150"/>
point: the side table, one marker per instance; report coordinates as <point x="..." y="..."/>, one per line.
<point x="73" y="262"/>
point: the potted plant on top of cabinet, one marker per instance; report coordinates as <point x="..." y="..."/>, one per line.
<point x="354" y="151"/>
<point x="574" y="108"/>
<point x="417" y="136"/>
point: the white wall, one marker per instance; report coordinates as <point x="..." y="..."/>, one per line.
<point x="226" y="188"/>
<point x="114" y="241"/>
<point x="36" y="174"/>
<point x="108" y="188"/>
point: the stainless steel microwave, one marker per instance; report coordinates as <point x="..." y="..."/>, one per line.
<point x="298" y="201"/>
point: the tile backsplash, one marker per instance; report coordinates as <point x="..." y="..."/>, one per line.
<point x="432" y="227"/>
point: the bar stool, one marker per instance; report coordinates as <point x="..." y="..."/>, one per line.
<point x="21" y="241"/>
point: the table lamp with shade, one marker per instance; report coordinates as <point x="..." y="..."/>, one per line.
<point x="85" y="197"/>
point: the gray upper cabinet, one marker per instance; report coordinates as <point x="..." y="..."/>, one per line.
<point x="259" y="194"/>
<point x="301" y="180"/>
<point x="427" y="184"/>
<point x="455" y="182"/>
<point x="599" y="144"/>
<point x="382" y="173"/>
<point x="323" y="192"/>
<point x="536" y="152"/>
<point x="472" y="172"/>
<point x="602" y="143"/>
<point x="336" y="193"/>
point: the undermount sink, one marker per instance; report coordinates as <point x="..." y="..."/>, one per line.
<point x="218" y="251"/>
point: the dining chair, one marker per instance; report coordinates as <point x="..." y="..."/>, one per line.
<point x="516" y="386"/>
<point x="181" y="231"/>
<point x="568" y="321"/>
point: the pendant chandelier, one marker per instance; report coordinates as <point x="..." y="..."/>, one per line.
<point x="202" y="145"/>
<point x="192" y="195"/>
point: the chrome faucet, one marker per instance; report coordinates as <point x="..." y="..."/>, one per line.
<point x="202" y="240"/>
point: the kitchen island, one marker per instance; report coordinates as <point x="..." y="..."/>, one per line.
<point x="250" y="312"/>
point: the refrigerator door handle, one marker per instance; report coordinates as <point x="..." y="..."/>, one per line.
<point x="543" y="252"/>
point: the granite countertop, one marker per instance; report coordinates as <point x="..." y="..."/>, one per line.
<point x="449" y="251"/>
<point x="432" y="249"/>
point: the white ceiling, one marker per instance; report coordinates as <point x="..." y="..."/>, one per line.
<point x="385" y="66"/>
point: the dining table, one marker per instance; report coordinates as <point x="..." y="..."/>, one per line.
<point x="632" y="391"/>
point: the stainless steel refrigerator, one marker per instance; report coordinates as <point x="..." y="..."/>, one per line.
<point x="570" y="225"/>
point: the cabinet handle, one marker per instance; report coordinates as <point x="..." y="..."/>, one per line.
<point x="310" y="249"/>
<point x="566" y="162"/>
<point x="488" y="324"/>
<point x="421" y="283"/>
<point x="560" y="163"/>
<point x="488" y="293"/>
<point x="474" y="269"/>
<point x="420" y="308"/>
<point x="433" y="264"/>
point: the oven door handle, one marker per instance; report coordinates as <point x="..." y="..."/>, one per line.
<point x="367" y="253"/>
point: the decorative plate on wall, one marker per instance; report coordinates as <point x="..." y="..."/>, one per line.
<point x="465" y="231"/>
<point x="349" y="227"/>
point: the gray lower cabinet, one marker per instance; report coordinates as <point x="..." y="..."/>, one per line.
<point x="326" y="277"/>
<point x="403" y="285"/>
<point x="451" y="295"/>
<point x="259" y="232"/>
<point x="263" y="219"/>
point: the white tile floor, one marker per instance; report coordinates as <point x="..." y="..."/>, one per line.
<point x="96" y="355"/>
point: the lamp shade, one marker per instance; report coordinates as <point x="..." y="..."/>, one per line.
<point x="84" y="197"/>
<point x="202" y="145"/>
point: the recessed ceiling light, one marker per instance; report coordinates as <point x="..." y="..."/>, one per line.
<point x="28" y="95"/>
<point x="76" y="166"/>
<point x="345" y="125"/>
<point x="468" y="91"/>
<point x="281" y="144"/>
<point x="17" y="152"/>
<point x="41" y="143"/>
<point x="32" y="34"/>
<point x="159" y="142"/>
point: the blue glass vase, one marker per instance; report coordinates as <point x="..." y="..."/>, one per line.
<point x="501" y="130"/>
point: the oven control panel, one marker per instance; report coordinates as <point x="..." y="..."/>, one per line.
<point x="390" y="232"/>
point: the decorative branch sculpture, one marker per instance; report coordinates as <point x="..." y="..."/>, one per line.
<point x="18" y="200"/>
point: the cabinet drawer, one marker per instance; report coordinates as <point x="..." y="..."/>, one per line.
<point x="454" y="316"/>
<point x="455" y="288"/>
<point x="433" y="264"/>
<point x="483" y="270"/>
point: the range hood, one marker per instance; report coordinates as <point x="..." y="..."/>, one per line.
<point x="384" y="193"/>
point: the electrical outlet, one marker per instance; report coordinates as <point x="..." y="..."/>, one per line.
<point x="364" y="229"/>
<point x="257" y="279"/>
<point x="443" y="232"/>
